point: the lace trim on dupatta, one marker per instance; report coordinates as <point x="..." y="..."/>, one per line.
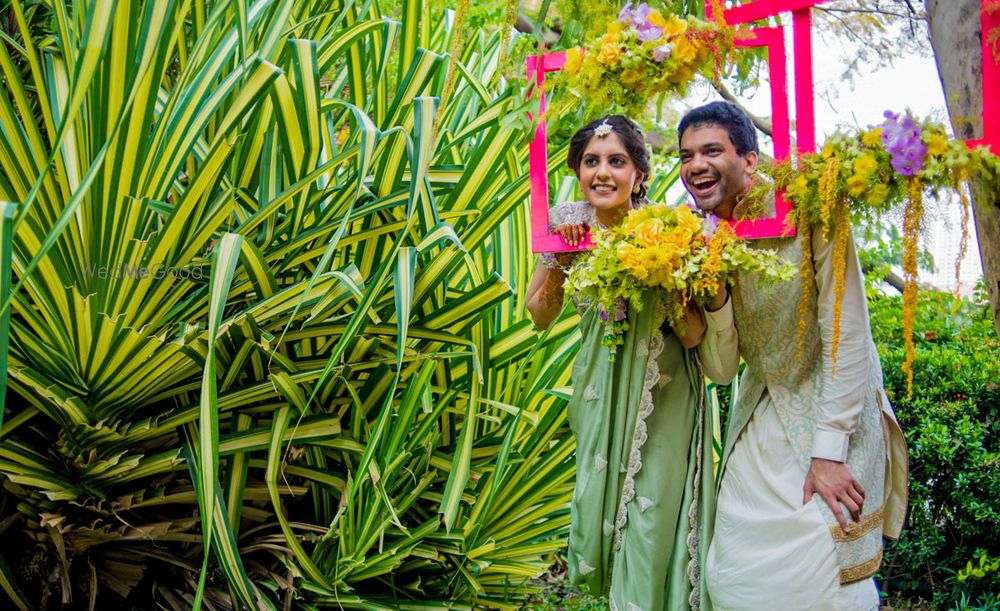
<point x="639" y="434"/>
<point x="694" y="564"/>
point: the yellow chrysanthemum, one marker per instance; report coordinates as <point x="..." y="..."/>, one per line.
<point x="938" y="144"/>
<point x="649" y="233"/>
<point x="631" y="78"/>
<point x="609" y="51"/>
<point x="631" y="261"/>
<point x="655" y="18"/>
<point x="574" y="59"/>
<point x="865" y="165"/>
<point x="872" y="138"/>
<point x="799" y="187"/>
<point x="877" y="194"/>
<point x="614" y="27"/>
<point x="688" y="220"/>
<point x="684" y="50"/>
<point x="674" y="27"/>
<point x="856" y="185"/>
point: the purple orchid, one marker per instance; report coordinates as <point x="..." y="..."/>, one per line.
<point x="635" y="17"/>
<point x="902" y="141"/>
<point x="662" y="52"/>
<point x="602" y="313"/>
<point x="622" y="310"/>
<point x="648" y="32"/>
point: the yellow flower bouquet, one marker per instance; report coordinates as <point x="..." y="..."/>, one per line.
<point x="642" y="54"/>
<point x="670" y="249"/>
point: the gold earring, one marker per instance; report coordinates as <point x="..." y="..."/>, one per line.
<point x="635" y="189"/>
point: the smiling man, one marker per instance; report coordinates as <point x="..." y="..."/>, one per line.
<point x="814" y="466"/>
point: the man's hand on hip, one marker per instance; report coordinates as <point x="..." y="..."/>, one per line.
<point x="836" y="485"/>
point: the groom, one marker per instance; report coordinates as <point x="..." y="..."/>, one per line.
<point x="814" y="466"/>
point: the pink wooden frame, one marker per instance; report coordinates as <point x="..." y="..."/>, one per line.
<point x="991" y="85"/>
<point x="542" y="239"/>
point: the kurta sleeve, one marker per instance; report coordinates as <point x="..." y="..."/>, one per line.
<point x="844" y="383"/>
<point x="719" y="349"/>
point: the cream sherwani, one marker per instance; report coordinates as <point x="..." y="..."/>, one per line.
<point x="769" y="550"/>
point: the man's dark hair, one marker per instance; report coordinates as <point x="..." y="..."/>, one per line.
<point x="727" y="116"/>
<point x="634" y="141"/>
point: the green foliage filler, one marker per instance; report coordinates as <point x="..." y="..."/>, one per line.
<point x="951" y="423"/>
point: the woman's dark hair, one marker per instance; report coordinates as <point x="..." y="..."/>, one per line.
<point x="727" y="116"/>
<point x="632" y="138"/>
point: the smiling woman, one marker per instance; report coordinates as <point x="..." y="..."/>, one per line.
<point x="632" y="499"/>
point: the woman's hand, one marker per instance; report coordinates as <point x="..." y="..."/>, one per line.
<point x="572" y="233"/>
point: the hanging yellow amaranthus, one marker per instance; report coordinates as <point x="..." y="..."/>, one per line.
<point x="911" y="235"/>
<point x="828" y="191"/>
<point x="806" y="274"/>
<point x="842" y="232"/>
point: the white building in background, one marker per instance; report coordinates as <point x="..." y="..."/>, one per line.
<point x="942" y="239"/>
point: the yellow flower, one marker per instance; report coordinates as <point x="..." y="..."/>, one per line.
<point x="877" y="194"/>
<point x="687" y="220"/>
<point x="649" y="233"/>
<point x="674" y="27"/>
<point x="574" y="59"/>
<point x="828" y="150"/>
<point x="938" y="144"/>
<point x="629" y="256"/>
<point x="631" y="78"/>
<point x="614" y="27"/>
<point x="872" y="138"/>
<point x="684" y="50"/>
<point x="676" y="243"/>
<point x="800" y="186"/>
<point x="609" y="51"/>
<point x="856" y="184"/>
<point x="656" y="19"/>
<point x="865" y="165"/>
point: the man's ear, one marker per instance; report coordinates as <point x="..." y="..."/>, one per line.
<point x="751" y="158"/>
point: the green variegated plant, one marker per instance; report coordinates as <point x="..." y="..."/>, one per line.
<point x="262" y="302"/>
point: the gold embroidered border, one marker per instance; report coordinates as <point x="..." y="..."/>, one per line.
<point x="861" y="571"/>
<point x="860" y="528"/>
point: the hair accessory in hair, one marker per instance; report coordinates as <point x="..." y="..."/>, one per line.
<point x="603" y="129"/>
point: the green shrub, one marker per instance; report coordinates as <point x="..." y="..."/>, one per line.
<point x="950" y="422"/>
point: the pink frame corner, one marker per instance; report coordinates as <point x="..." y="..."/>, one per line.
<point x="542" y="239"/>
<point x="991" y="85"/>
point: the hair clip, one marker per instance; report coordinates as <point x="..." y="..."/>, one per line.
<point x="603" y="129"/>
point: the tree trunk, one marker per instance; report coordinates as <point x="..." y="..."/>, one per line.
<point x="956" y="31"/>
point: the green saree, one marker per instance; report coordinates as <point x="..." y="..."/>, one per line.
<point x="642" y="508"/>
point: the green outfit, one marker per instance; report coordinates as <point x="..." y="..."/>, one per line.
<point x="645" y="492"/>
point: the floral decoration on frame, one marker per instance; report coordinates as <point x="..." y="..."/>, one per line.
<point x="671" y="250"/>
<point x="873" y="173"/>
<point x="643" y="54"/>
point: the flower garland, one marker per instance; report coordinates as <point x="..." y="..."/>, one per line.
<point x="643" y="54"/>
<point x="870" y="174"/>
<point x="663" y="248"/>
